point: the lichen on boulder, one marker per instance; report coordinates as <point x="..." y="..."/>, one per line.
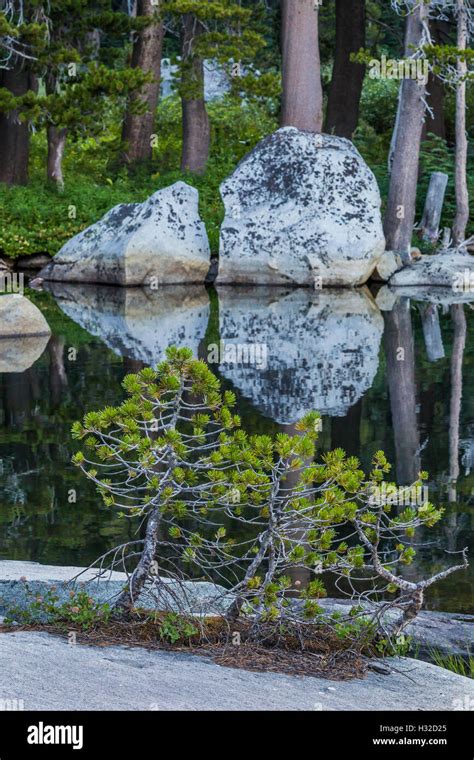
<point x="301" y="208"/>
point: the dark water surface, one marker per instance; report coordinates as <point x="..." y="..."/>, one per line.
<point x="397" y="379"/>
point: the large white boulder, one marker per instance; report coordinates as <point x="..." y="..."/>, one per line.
<point x="161" y="241"/>
<point x="301" y="206"/>
<point x="293" y="351"/>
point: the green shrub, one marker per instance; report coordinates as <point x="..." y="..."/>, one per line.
<point x="174" y="628"/>
<point x="81" y="609"/>
<point x="36" y="219"/>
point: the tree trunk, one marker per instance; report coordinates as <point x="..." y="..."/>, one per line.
<point x="462" y="196"/>
<point x="410" y="612"/>
<point x="435" y="94"/>
<point x="459" y="343"/>
<point x="429" y="225"/>
<point x="137" y="128"/>
<point x="56" y="145"/>
<point x="400" y="357"/>
<point x="196" y="125"/>
<point x="14" y="134"/>
<point x="302" y="98"/>
<point x="400" y="213"/>
<point x="347" y="78"/>
<point x="130" y="594"/>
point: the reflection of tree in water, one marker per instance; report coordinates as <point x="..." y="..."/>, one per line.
<point x="37" y="407"/>
<point x="11" y="489"/>
<point x="454" y="532"/>
<point x="400" y="358"/>
<point x="459" y="344"/>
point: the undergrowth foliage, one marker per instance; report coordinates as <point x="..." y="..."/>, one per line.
<point x="250" y="511"/>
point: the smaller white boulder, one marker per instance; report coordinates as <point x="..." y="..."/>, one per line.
<point x="24" y="333"/>
<point x="162" y="241"/>
<point x="20" y="318"/>
<point x="452" y="270"/>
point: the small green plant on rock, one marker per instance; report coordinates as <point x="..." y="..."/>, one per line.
<point x="174" y="628"/>
<point x="80" y="609"/>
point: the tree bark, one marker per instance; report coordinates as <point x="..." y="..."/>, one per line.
<point x="196" y="125"/>
<point x="462" y="196"/>
<point x="459" y="343"/>
<point x="14" y="134"/>
<point x="130" y="594"/>
<point x="435" y="94"/>
<point x="429" y="225"/>
<point x="347" y="78"/>
<point x="400" y="357"/>
<point x="302" y="98"/>
<point x="137" y="128"/>
<point x="56" y="145"/>
<point x="400" y="213"/>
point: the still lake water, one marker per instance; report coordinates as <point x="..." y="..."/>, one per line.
<point x="397" y="379"/>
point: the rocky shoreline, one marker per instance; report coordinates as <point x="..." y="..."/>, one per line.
<point x="443" y="632"/>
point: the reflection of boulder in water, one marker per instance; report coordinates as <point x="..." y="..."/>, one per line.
<point x="322" y="348"/>
<point x="24" y="333"/>
<point x="137" y="322"/>
<point x="19" y="354"/>
<point x="434" y="295"/>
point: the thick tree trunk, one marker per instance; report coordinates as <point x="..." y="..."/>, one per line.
<point x="14" y="134"/>
<point x="196" y="125"/>
<point x="347" y="78"/>
<point x="459" y="343"/>
<point x="400" y="357"/>
<point x="147" y="50"/>
<point x="462" y="196"/>
<point x="56" y="145"/>
<point x="435" y="94"/>
<point x="302" y="98"/>
<point x="400" y="213"/>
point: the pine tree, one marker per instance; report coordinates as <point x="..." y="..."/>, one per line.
<point x="78" y="78"/>
<point x="20" y="40"/>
